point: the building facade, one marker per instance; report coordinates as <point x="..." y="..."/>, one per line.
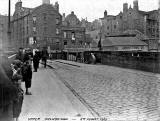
<point x="73" y="34"/>
<point x="36" y="27"/>
<point x="130" y="18"/>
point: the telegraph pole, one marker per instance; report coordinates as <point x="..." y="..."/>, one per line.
<point x="9" y="24"/>
<point x="158" y="22"/>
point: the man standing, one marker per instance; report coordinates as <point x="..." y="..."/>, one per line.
<point x="44" y="56"/>
<point x="35" y="61"/>
<point x="27" y="75"/>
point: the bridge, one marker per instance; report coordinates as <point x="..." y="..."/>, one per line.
<point x="72" y="90"/>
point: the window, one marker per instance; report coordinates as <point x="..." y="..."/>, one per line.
<point x="108" y="27"/>
<point x="34" y="29"/>
<point x="73" y="36"/>
<point x="27" y="29"/>
<point x="57" y="31"/>
<point x="65" y="42"/>
<point x="34" y="40"/>
<point x="27" y="20"/>
<point x="45" y="16"/>
<point x="80" y="42"/>
<point x="65" y="34"/>
<point x="114" y="26"/>
<point x="57" y="20"/>
<point x="34" y="19"/>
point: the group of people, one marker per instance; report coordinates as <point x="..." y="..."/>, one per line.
<point x="11" y="76"/>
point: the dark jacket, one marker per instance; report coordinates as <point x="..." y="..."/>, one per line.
<point x="26" y="72"/>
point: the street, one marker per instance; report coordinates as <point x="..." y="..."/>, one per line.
<point x="112" y="92"/>
<point x="81" y="90"/>
<point x="50" y="99"/>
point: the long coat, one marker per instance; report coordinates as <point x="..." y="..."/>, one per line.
<point x="27" y="74"/>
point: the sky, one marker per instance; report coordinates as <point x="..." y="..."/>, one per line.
<point x="90" y="9"/>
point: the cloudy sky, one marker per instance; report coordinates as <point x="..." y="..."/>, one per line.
<point x="92" y="9"/>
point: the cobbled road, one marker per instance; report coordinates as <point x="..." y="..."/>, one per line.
<point x="114" y="93"/>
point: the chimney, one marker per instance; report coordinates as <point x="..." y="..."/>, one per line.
<point x="105" y="13"/>
<point x="63" y="17"/>
<point x="45" y="1"/>
<point x="135" y="5"/>
<point x="125" y="7"/>
<point x="57" y="6"/>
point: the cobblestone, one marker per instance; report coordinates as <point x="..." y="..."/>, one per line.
<point x="115" y="93"/>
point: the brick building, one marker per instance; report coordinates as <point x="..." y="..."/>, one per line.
<point x="36" y="27"/>
<point x="133" y="19"/>
<point x="73" y="34"/>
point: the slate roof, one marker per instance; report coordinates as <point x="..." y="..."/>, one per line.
<point x="122" y="41"/>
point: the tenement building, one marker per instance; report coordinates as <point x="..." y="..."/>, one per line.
<point x="73" y="34"/>
<point x="36" y="27"/>
<point x="134" y="19"/>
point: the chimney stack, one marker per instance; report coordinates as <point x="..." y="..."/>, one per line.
<point x="45" y="1"/>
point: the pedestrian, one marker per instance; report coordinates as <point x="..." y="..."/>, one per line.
<point x="39" y="56"/>
<point x="35" y="61"/>
<point x="44" y="56"/>
<point x="27" y="76"/>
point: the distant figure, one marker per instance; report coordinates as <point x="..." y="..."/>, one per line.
<point x="36" y="61"/>
<point x="44" y="56"/>
<point x="27" y="76"/>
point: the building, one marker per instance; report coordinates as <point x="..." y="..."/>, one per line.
<point x="133" y="19"/>
<point x="4" y="42"/>
<point x="73" y="34"/>
<point x="36" y="27"/>
<point x="123" y="43"/>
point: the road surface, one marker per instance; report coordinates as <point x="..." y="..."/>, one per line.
<point x="50" y="99"/>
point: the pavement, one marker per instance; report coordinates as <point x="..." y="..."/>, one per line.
<point x="113" y="92"/>
<point x="50" y="99"/>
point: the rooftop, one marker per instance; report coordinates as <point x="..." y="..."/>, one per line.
<point x="122" y="41"/>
